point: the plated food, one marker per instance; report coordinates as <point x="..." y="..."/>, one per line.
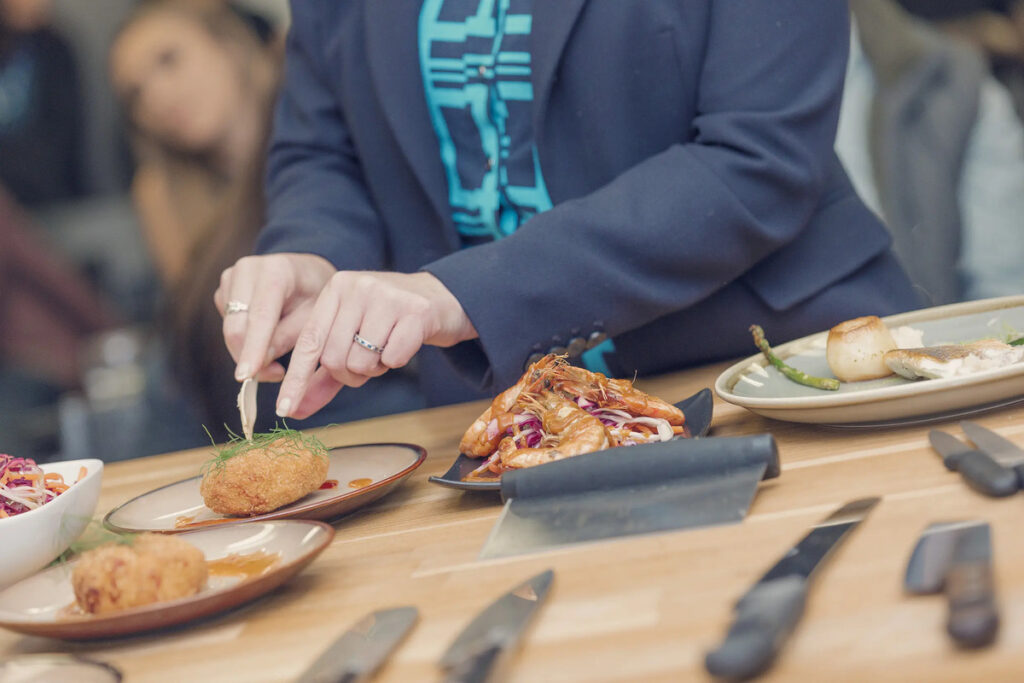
<point x="239" y="563"/>
<point x="558" y="411"/>
<point x="756" y="384"/>
<point x="356" y="476"/>
<point x="24" y="486"/>
<point x="258" y="475"/>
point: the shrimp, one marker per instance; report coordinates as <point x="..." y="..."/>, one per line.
<point x="570" y="431"/>
<point x="618" y="394"/>
<point x="483" y="435"/>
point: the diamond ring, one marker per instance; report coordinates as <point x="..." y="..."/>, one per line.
<point x="367" y="345"/>
<point x="236" y="307"/>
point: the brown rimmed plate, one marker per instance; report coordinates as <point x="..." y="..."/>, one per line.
<point x="41" y="604"/>
<point x="697" y="409"/>
<point x="363" y="474"/>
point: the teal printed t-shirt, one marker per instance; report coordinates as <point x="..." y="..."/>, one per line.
<point x="476" y="62"/>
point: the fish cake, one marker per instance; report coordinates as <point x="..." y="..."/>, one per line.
<point x="265" y="476"/>
<point x="150" y="568"/>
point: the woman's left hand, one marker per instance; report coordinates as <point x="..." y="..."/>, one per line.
<point x="394" y="313"/>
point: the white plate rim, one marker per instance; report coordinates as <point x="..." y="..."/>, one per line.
<point x="730" y="376"/>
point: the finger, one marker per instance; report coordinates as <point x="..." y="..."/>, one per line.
<point x="309" y="348"/>
<point x="220" y="297"/>
<point x="322" y="388"/>
<point x="405" y="340"/>
<point x="375" y="328"/>
<point x="262" y="319"/>
<point x="243" y="281"/>
<point x="339" y="346"/>
<point x="273" y="372"/>
<point x="287" y="331"/>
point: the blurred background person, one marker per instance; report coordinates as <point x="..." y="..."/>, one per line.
<point x="933" y="145"/>
<point x="40" y="107"/>
<point x="197" y="81"/>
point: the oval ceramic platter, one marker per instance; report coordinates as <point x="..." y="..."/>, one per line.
<point x="697" y="409"/>
<point x="44" y="604"/>
<point x="360" y="475"/>
<point x="761" y="388"/>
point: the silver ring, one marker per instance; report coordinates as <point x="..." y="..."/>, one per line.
<point x="236" y="307"/>
<point x="367" y="345"/>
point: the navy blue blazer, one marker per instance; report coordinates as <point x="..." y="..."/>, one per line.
<point x="687" y="146"/>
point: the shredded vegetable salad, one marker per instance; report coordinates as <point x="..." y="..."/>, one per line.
<point x="24" y="486"/>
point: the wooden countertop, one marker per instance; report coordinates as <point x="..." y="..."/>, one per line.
<point x="638" y="609"/>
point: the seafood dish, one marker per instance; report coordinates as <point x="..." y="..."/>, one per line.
<point x="952" y="360"/>
<point x="24" y="486"/>
<point x="137" y="571"/>
<point x="251" y="477"/>
<point x="558" y="411"/>
<point x="856" y="348"/>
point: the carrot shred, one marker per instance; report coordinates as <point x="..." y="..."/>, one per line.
<point x="82" y="471"/>
<point x="678" y="429"/>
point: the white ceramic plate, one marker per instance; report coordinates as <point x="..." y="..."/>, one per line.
<point x="755" y="385"/>
<point x="39" y="604"/>
<point x="31" y="540"/>
<point x="363" y="474"/>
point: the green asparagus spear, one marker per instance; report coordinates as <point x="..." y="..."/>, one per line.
<point x="792" y="373"/>
<point x="1019" y="341"/>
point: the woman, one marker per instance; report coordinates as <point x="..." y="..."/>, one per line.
<point x="631" y="183"/>
<point x="196" y="83"/>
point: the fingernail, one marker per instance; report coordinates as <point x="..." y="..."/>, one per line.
<point x="283" y="407"/>
<point x="242" y="372"/>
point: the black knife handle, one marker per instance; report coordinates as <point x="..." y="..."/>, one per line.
<point x="984" y="474"/>
<point x="764" y="619"/>
<point x="477" y="668"/>
<point x="973" y="618"/>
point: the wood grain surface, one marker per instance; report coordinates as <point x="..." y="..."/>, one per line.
<point x="638" y="609"/>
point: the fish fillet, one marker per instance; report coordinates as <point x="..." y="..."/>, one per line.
<point x="952" y="360"/>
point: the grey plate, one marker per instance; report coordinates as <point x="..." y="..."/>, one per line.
<point x="893" y="400"/>
<point x="696" y="408"/>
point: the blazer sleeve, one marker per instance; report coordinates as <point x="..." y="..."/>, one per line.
<point x="681" y="224"/>
<point x="317" y="200"/>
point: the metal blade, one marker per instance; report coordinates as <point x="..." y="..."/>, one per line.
<point x="502" y="622"/>
<point x="946" y="444"/>
<point x="807" y="555"/>
<point x="1002" y="450"/>
<point x="247" y="406"/>
<point x="363" y="648"/>
<point x="930" y="560"/>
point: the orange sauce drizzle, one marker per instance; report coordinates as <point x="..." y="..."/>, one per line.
<point x="246" y="566"/>
<point x="186" y="522"/>
<point x="360" y="483"/>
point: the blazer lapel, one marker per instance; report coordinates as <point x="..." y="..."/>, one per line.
<point x="552" y="22"/>
<point x="392" y="37"/>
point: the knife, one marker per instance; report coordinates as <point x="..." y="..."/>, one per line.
<point x="973" y="619"/>
<point x="769" y="611"/>
<point x="474" y="654"/>
<point x="932" y="556"/>
<point x="360" y="651"/>
<point x="1002" y="450"/>
<point x="978" y="469"/>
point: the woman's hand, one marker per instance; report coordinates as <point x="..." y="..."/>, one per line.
<point x="278" y="292"/>
<point x="394" y="313"/>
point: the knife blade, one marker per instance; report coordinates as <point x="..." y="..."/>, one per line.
<point x="973" y="618"/>
<point x="360" y="651"/>
<point x="1005" y="452"/>
<point x="932" y="556"/>
<point x="977" y="468"/>
<point x="473" y="654"/>
<point x="769" y="611"/>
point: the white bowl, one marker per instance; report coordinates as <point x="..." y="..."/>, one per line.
<point x="33" y="539"/>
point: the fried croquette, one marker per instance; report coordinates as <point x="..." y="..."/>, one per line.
<point x="151" y="568"/>
<point x="264" y="477"/>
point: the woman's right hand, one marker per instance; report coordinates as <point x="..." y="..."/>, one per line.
<point x="279" y="291"/>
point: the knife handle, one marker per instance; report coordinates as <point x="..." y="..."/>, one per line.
<point x="764" y="619"/>
<point x="984" y="474"/>
<point x="973" y="618"/>
<point x="476" y="668"/>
